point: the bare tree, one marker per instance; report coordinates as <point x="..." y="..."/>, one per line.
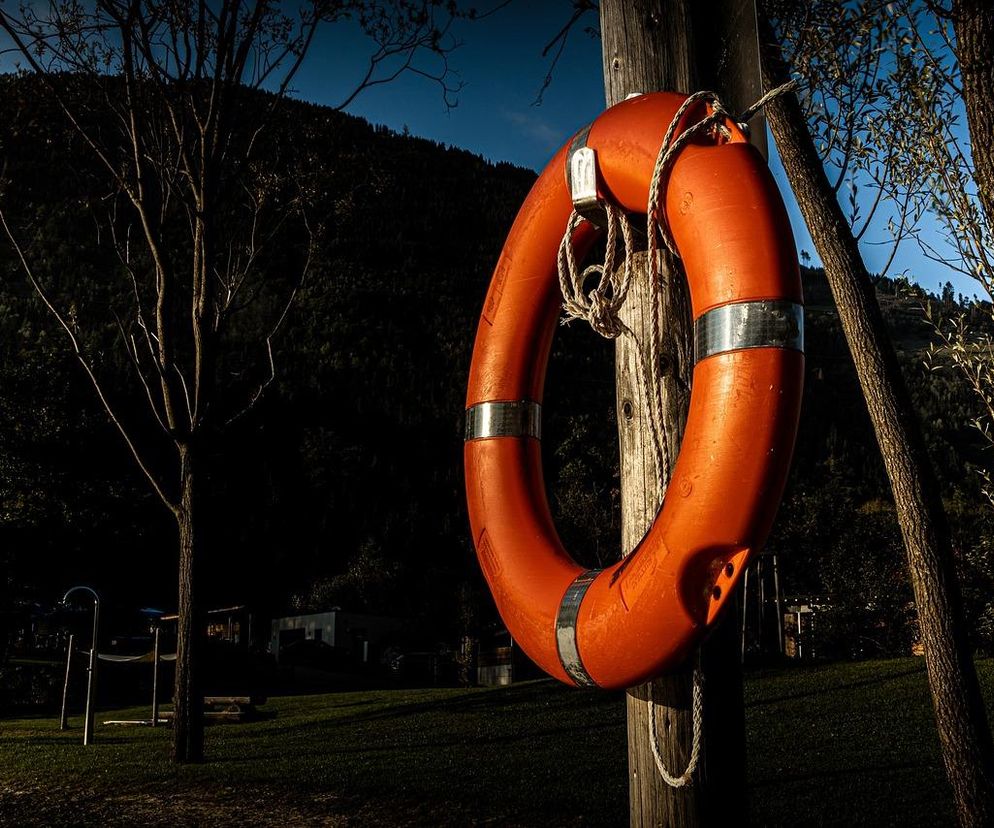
<point x="166" y="95"/>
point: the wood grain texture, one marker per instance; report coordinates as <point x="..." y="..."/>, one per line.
<point x="973" y="21"/>
<point x="652" y="45"/>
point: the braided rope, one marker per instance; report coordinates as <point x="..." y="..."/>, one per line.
<point x="697" y="714"/>
<point x="601" y="307"/>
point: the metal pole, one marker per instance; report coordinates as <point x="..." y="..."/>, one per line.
<point x="155" y="679"/>
<point x="800" y="648"/>
<point x="91" y="685"/>
<point x="779" y="600"/>
<point x="761" y="577"/>
<point x="745" y="610"/>
<point x="64" y="718"/>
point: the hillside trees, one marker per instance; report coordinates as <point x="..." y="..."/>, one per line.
<point x="185" y="190"/>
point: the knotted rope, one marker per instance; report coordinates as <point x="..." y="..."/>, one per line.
<point x="601" y="308"/>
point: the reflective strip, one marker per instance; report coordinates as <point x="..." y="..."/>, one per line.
<point x="769" y="323"/>
<point x="569" y="653"/>
<point x="505" y="418"/>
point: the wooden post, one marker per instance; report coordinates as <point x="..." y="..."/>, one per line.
<point x="155" y="678"/>
<point x="64" y="717"/>
<point x="683" y="46"/>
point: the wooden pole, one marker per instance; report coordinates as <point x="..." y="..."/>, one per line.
<point x="155" y="679"/>
<point x="64" y="717"/>
<point x="679" y="45"/>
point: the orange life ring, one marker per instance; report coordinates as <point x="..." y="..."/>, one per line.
<point x="622" y="625"/>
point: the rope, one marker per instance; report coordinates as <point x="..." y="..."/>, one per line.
<point x="670" y="147"/>
<point x="601" y="307"/>
<point x="146" y="657"/>
<point x="697" y="719"/>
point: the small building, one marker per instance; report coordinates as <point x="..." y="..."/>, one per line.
<point x="357" y="635"/>
<point x="232" y="625"/>
<point x="495" y="667"/>
<point x="500" y="661"/>
<point x="799" y="626"/>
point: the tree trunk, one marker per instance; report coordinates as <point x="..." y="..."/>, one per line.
<point x="188" y="720"/>
<point x="973" y="21"/>
<point x="960" y="716"/>
<point x="651" y="45"/>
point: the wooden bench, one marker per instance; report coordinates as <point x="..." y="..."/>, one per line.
<point x="230" y="701"/>
<point x="213" y="715"/>
<point x="227" y="708"/>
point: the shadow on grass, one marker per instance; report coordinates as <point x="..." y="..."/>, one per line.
<point x="36" y="739"/>
<point x="392" y="709"/>
<point x="457" y="741"/>
<point x="851" y="772"/>
<point x="834" y="688"/>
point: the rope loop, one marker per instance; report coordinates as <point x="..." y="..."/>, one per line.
<point x="716" y="119"/>
<point x="697" y="718"/>
<point x="600" y="306"/>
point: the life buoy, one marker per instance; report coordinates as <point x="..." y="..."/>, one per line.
<point x="622" y="625"/>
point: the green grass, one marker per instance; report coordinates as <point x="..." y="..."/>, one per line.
<point x="849" y="744"/>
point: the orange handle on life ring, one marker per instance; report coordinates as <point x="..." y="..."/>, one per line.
<point x="629" y="622"/>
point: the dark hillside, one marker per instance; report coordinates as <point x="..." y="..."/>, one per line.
<point x="345" y="487"/>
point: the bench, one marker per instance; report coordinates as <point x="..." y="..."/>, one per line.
<point x="229" y="701"/>
<point x="228" y="708"/>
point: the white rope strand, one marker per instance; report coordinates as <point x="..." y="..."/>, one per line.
<point x="599" y="307"/>
<point x="697" y="718"/>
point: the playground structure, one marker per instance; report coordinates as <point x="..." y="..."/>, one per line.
<point x="153" y="657"/>
<point x="229" y="708"/>
<point x="91" y="684"/>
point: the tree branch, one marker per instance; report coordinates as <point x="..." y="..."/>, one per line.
<point x="88" y="369"/>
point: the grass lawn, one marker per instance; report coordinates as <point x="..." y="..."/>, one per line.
<point x="846" y="744"/>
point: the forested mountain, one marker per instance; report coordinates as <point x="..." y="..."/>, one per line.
<point x="345" y="486"/>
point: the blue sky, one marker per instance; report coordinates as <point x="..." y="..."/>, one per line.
<point x="501" y="67"/>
